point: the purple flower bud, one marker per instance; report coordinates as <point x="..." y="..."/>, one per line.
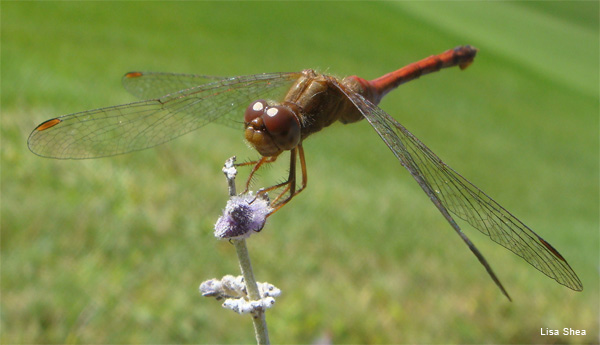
<point x="243" y="215"/>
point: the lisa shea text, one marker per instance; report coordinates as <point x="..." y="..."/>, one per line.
<point x="565" y="331"/>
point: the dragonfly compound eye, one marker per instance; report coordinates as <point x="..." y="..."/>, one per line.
<point x="283" y="125"/>
<point x="254" y="110"/>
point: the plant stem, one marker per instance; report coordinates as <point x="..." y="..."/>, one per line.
<point x="258" y="317"/>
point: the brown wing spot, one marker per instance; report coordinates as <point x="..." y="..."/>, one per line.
<point x="551" y="249"/>
<point x="48" y="124"/>
<point x="133" y="74"/>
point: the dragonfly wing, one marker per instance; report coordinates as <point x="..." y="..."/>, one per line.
<point x="136" y="126"/>
<point x="449" y="191"/>
<point x="150" y="85"/>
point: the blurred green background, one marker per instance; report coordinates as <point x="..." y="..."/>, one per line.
<point x="112" y="250"/>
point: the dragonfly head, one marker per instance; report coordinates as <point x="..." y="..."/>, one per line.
<point x="272" y="129"/>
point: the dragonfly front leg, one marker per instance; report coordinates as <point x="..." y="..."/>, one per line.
<point x="257" y="164"/>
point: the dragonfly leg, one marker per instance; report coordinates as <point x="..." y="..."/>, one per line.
<point x="289" y="186"/>
<point x="290" y="189"/>
<point x="257" y="164"/>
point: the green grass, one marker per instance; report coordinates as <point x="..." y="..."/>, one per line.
<point x="113" y="250"/>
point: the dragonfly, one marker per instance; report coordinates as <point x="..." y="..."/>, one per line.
<point x="280" y="111"/>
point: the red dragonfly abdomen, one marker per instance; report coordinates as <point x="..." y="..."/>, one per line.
<point x="375" y="89"/>
<point x="461" y="56"/>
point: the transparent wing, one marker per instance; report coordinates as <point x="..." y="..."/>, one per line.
<point x="136" y="126"/>
<point x="150" y="85"/>
<point x="449" y="191"/>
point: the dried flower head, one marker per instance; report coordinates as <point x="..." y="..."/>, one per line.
<point x="243" y="215"/>
<point x="233" y="290"/>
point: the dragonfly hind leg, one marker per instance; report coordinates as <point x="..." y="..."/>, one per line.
<point x="289" y="186"/>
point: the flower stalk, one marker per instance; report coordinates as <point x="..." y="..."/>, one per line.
<point x="243" y="216"/>
<point x="258" y="316"/>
